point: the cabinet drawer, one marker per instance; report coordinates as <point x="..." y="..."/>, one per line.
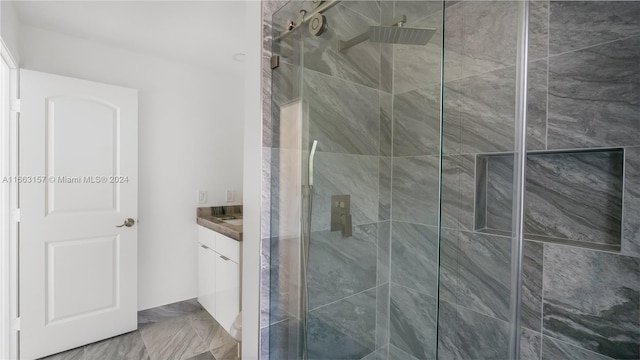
<point x="228" y="247"/>
<point x="207" y="237"/>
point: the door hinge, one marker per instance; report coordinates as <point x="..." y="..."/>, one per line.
<point x="15" y="324"/>
<point x="15" y="215"/>
<point x="15" y="105"/>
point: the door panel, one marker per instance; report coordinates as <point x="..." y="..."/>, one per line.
<point x="78" y="159"/>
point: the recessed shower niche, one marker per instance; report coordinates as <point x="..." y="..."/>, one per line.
<point x="571" y="197"/>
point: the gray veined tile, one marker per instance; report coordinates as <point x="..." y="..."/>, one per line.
<point x="416" y="122"/>
<point x="343" y="117"/>
<point x="215" y="337"/>
<point x="578" y="24"/>
<point x="204" y="356"/>
<point x="538" y="29"/>
<point x="285" y="83"/>
<point x="537" y="104"/>
<point x="384" y="208"/>
<point x="575" y="196"/>
<point x="480" y="36"/>
<point x="343" y="174"/>
<point x="481" y="281"/>
<point x="530" y="343"/>
<point x="169" y="311"/>
<point x="339" y="267"/>
<point x="384" y="251"/>
<point x="415" y="189"/>
<point x="552" y="349"/>
<point x="386" y="118"/>
<point x="172" y="339"/>
<point x="73" y="354"/>
<point x="531" y="292"/>
<point x="414" y="253"/>
<point x="382" y="316"/>
<point x="359" y="64"/>
<point x="266" y="103"/>
<point x="379" y="354"/>
<point x="344" y="329"/>
<point x="592" y="300"/>
<point x="397" y="354"/>
<point x="631" y="212"/>
<point x="368" y="8"/>
<point x="499" y="192"/>
<point x="464" y="334"/>
<point x="419" y="66"/>
<point x="281" y="337"/>
<point x="386" y="68"/>
<point x="458" y="190"/>
<point x="284" y="277"/>
<point x="413" y="322"/>
<point x="449" y="254"/>
<point x="125" y="347"/>
<point x="593" y="98"/>
<point x="265" y="210"/>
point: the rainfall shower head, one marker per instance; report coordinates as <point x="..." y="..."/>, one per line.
<point x="400" y="35"/>
<point x="394" y="33"/>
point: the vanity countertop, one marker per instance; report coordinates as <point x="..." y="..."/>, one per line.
<point x="216" y="218"/>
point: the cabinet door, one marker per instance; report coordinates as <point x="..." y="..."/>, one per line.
<point x="227" y="291"/>
<point x="207" y="278"/>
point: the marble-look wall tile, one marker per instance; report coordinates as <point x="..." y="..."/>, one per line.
<point x="484" y="111"/>
<point x="552" y="349"/>
<point x="452" y="100"/>
<point x="386" y="124"/>
<point x="415" y="189"/>
<point x="281" y="340"/>
<point x="343" y="117"/>
<point x="267" y="118"/>
<point x="631" y="213"/>
<point x="370" y="9"/>
<point x="499" y="192"/>
<point x="386" y="68"/>
<point x="384" y="183"/>
<point x="592" y="300"/>
<point x="284" y="291"/>
<point x="414" y="254"/>
<point x="339" y="267"/>
<point x="413" y="322"/>
<point x="480" y="36"/>
<point x="397" y="354"/>
<point x="285" y="83"/>
<point x="384" y="251"/>
<point x="342" y="174"/>
<point x="538" y="29"/>
<point x="531" y="291"/>
<point x="416" y="122"/>
<point x="418" y="66"/>
<point x="480" y="210"/>
<point x="537" y="103"/>
<point x="380" y="354"/>
<point x="458" y="190"/>
<point x="593" y="98"/>
<point x="382" y="316"/>
<point x="359" y="64"/>
<point x="530" y="343"/>
<point x="482" y="277"/>
<point x="579" y="24"/>
<point x="265" y="282"/>
<point x="344" y="329"/>
<point x="575" y="196"/>
<point x="464" y="334"/>
<point x="417" y="12"/>
<point x="265" y="211"/>
<point x="449" y="254"/>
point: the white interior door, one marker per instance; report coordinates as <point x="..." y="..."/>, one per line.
<point x="78" y="168"/>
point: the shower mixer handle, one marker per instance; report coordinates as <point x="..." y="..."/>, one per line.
<point x="341" y="214"/>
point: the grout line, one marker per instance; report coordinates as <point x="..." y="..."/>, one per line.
<point x="578" y="347"/>
<point x="595" y="45"/>
<point x="344" y="298"/>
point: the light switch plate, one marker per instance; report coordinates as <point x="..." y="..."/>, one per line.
<point x="231" y="195"/>
<point x="202" y="197"/>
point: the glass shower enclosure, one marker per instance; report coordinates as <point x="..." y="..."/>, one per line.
<point x="446" y="181"/>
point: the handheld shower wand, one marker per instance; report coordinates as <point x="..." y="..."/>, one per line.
<point x="305" y="244"/>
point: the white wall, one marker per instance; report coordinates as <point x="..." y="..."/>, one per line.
<point x="9" y="28"/>
<point x="191" y="131"/>
<point x="252" y="183"/>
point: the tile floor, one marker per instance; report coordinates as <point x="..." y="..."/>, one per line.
<point x="180" y="331"/>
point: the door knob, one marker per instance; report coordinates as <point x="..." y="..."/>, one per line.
<point x="128" y="223"/>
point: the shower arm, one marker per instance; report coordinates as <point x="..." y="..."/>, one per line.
<point x="344" y="45"/>
<point x="306" y="17"/>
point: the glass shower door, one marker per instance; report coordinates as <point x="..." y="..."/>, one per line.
<point x="401" y="248"/>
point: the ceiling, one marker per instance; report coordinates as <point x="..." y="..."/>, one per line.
<point x="206" y="33"/>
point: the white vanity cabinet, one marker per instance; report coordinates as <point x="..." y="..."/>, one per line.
<point x="219" y="275"/>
